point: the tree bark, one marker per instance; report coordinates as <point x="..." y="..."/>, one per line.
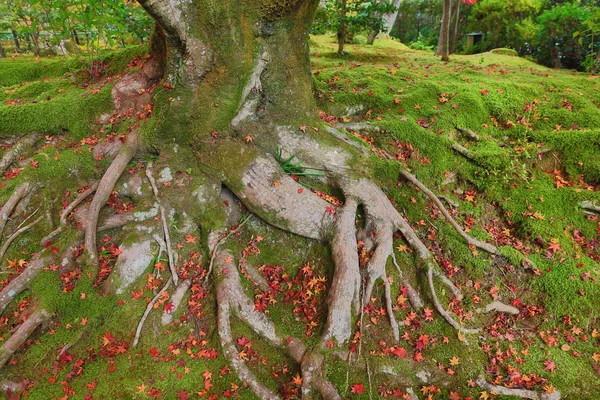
<point x="16" y="39"/>
<point x="443" y="42"/>
<point x="2" y="51"/>
<point x="390" y="18"/>
<point x="342" y="29"/>
<point x="455" y="33"/>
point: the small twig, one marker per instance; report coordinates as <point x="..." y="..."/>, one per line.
<point x="215" y="248"/>
<point x="149" y="308"/>
<point x="163" y="217"/>
<point x="12" y="237"/>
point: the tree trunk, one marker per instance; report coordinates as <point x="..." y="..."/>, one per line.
<point x="455" y="32"/>
<point x="342" y="29"/>
<point x="2" y="51"/>
<point x="16" y="39"/>
<point x="390" y="18"/>
<point x="76" y="37"/>
<point x="372" y="36"/>
<point x="443" y="41"/>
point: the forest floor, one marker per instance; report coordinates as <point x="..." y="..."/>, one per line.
<point x="511" y="147"/>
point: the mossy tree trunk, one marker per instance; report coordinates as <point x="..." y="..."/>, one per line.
<point x="236" y="92"/>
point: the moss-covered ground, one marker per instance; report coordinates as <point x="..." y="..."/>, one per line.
<point x="537" y="158"/>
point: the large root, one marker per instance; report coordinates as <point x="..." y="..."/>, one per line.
<point x="232" y="299"/>
<point x="105" y="188"/>
<point x="344" y="294"/>
<point x="38" y="317"/>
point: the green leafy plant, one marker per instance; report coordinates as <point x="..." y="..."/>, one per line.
<point x="295" y="168"/>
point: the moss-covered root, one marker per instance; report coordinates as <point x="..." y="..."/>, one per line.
<point x="37" y="317"/>
<point x="469" y="239"/>
<point x="64" y="215"/>
<point x="105" y="188"/>
<point x="24" y="280"/>
<point x="14" y="152"/>
<point x="232" y="299"/>
<point x="224" y="265"/>
<point x="12" y="202"/>
<point x="521" y="393"/>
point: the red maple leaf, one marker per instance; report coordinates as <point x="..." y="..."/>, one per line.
<point x="358" y="389"/>
<point x="550" y="365"/>
<point x="183" y="395"/>
<point x="399" y="351"/>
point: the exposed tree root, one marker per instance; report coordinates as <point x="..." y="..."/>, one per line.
<point x="37" y="264"/>
<point x="16" y="234"/>
<point x="63" y="216"/>
<point x="469" y="133"/>
<point x="522" y="393"/>
<point x="590" y="206"/>
<point x="176" y="298"/>
<point x="149" y="308"/>
<point x="464" y="152"/>
<point x="12" y="202"/>
<point x="165" y="225"/>
<point x="105" y="188"/>
<point x="441" y="309"/>
<point x="22" y="282"/>
<point x="344" y="294"/>
<point x="13" y="153"/>
<point x="215" y="247"/>
<point x="469" y="239"/>
<point x="231" y="299"/>
<point x="38" y="317"/>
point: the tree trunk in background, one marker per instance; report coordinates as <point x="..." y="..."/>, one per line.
<point x="16" y="39"/>
<point x="443" y="40"/>
<point x="390" y="18"/>
<point x="372" y="36"/>
<point x="455" y="33"/>
<point x="76" y="37"/>
<point x="342" y="29"/>
<point x="2" y="52"/>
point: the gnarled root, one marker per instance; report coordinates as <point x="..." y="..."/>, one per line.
<point x="231" y="299"/>
<point x="105" y="188"/>
<point x="38" y="317"/>
<point x="344" y="294"/>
